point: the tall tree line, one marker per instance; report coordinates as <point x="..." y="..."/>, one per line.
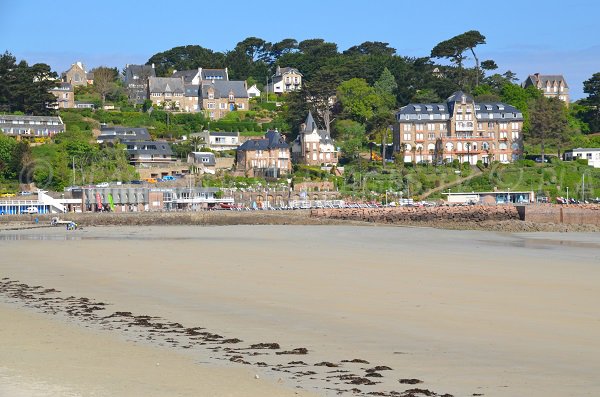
<point x="25" y="88"/>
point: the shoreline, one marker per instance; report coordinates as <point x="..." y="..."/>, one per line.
<point x="382" y="295"/>
<point x="296" y="217"/>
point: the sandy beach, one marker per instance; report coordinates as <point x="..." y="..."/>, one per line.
<point x="461" y="312"/>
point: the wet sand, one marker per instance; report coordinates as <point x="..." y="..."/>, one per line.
<point x="465" y="312"/>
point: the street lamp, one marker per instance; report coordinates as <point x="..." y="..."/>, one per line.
<point x="567" y="195"/>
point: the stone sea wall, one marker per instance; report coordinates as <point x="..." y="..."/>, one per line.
<point x="474" y="213"/>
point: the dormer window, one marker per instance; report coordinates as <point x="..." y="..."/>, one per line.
<point x="211" y="95"/>
<point x="441" y="108"/>
<point x="500" y="107"/>
<point x="429" y="108"/>
<point x="488" y="107"/>
<point x="231" y="97"/>
<point x="477" y="107"/>
<point x="417" y="108"/>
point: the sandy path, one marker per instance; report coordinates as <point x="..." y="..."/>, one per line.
<point x="467" y="312"/>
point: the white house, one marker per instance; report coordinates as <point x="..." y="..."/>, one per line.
<point x="592" y="155"/>
<point x="253" y="91"/>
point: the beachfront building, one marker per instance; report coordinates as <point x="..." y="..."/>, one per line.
<point x="592" y="155"/>
<point x="268" y="157"/>
<point x="458" y="129"/>
<point x="492" y="198"/>
<point x="31" y="127"/>
<point x="41" y="203"/>
<point x="129" y="198"/>
<point x="314" y="146"/>
<point x="552" y="85"/>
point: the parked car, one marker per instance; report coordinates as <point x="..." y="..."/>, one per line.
<point x="136" y="182"/>
<point x="31" y="210"/>
<point x="25" y="193"/>
<point x="150" y="180"/>
<point x="168" y="178"/>
<point x="7" y="195"/>
<point x="103" y="184"/>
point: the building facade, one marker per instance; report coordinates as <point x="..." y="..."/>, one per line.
<point x="65" y="95"/>
<point x="135" y="80"/>
<point x="268" y="157"/>
<point x="30" y="127"/>
<point x="552" y="85"/>
<point x="592" y="155"/>
<point x="219" y="97"/>
<point x="76" y="75"/>
<point x="149" y="153"/>
<point x="204" y="162"/>
<point x="218" y="140"/>
<point x="166" y="92"/>
<point x="458" y="129"/>
<point x="314" y="146"/>
<point x="285" y="80"/>
<point x="110" y="135"/>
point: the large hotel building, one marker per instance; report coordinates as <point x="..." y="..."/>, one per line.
<point x="459" y="129"/>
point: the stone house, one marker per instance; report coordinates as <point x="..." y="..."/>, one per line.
<point x="314" y="146"/>
<point x="458" y="129"/>
<point x="65" y="96"/>
<point x="166" y="92"/>
<point x="76" y="75"/>
<point x="268" y="157"/>
<point x="219" y="97"/>
<point x="135" y="80"/>
<point x="552" y="85"/>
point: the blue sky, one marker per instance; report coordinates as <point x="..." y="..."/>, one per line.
<point x="550" y="37"/>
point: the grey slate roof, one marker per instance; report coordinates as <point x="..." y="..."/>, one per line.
<point x="442" y="111"/>
<point x="15" y="119"/>
<point x="223" y="88"/>
<point x="214" y="74"/>
<point x="173" y="85"/>
<point x="188" y="75"/>
<point x="310" y="125"/>
<point x="62" y="86"/>
<point x="191" y="90"/>
<point x="272" y="140"/>
<point x="138" y="70"/>
<point x="223" y="133"/>
<point x="148" y="147"/>
<point x="209" y="158"/>
<point x="128" y="134"/>
<point x="544" y="78"/>
<point x="280" y="71"/>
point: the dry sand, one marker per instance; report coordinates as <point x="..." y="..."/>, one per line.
<point x="466" y="312"/>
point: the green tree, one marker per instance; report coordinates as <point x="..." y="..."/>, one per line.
<point x="548" y="123"/>
<point x="592" y="88"/>
<point x="186" y="58"/>
<point x="426" y="95"/>
<point x="371" y="48"/>
<point x="386" y="87"/>
<point x="454" y="49"/>
<point x="359" y="100"/>
<point x="25" y="88"/>
<point x="104" y="81"/>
